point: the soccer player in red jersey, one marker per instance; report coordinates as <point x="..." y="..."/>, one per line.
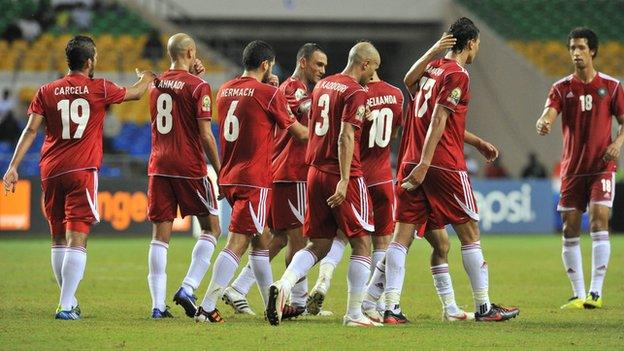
<point x="72" y="109"/>
<point x="181" y="110"/>
<point x="249" y="113"/>
<point x="587" y="101"/>
<point x="337" y="195"/>
<point x="434" y="187"/>
<point x="289" y="184"/>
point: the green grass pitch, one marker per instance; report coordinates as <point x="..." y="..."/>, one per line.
<point x="524" y="271"/>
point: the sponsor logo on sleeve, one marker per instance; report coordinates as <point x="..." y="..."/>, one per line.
<point x="206" y="103"/>
<point x="454" y="96"/>
<point x="361" y="111"/>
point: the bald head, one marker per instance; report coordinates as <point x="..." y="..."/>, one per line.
<point x="362" y="52"/>
<point x="179" y="44"/>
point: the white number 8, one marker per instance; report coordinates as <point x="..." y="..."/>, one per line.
<point x="164" y="119"/>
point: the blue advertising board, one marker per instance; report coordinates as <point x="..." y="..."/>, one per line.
<point x="515" y="206"/>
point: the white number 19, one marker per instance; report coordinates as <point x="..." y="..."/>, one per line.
<point x="78" y="111"/>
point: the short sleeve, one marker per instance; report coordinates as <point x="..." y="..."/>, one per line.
<point x="397" y="110"/>
<point x="454" y="88"/>
<point x="354" y="108"/>
<point x="617" y="102"/>
<point x="280" y="111"/>
<point x="296" y="96"/>
<point x="113" y="93"/>
<point x="203" y="98"/>
<point x="554" y="99"/>
<point x="36" y="105"/>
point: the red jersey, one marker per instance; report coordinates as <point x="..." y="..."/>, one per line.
<point x="587" y="111"/>
<point x="386" y="105"/>
<point x="444" y="83"/>
<point x="335" y="99"/>
<point x="177" y="100"/>
<point x="248" y="113"/>
<point x="73" y="108"/>
<point x="289" y="155"/>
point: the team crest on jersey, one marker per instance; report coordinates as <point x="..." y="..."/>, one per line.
<point x="602" y="92"/>
<point x="299" y="94"/>
<point x="206" y="103"/>
<point x="454" y="96"/>
<point x="361" y="111"/>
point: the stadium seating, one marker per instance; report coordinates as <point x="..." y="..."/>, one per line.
<point x="542" y="39"/>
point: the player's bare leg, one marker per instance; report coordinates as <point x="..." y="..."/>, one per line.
<point x="301" y="263"/>
<point x="572" y="258"/>
<point x="395" y="271"/>
<point x="327" y="266"/>
<point x="601" y="250"/>
<point x="200" y="262"/>
<point x="72" y="271"/>
<point x="157" y="276"/>
<point x="439" y="241"/>
<point x="477" y="269"/>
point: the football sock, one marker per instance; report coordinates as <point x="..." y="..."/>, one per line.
<point x="259" y="262"/>
<point x="222" y="272"/>
<point x="601" y="250"/>
<point x="395" y="274"/>
<point x="376" y="257"/>
<point x="157" y="277"/>
<point x="444" y="288"/>
<point x="299" y="293"/>
<point x="301" y="263"/>
<point x="56" y="257"/>
<point x="376" y="284"/>
<point x="244" y="281"/>
<point x="200" y="261"/>
<point x="74" y="264"/>
<point x="328" y="263"/>
<point x="359" y="271"/>
<point x="477" y="270"/>
<point x="573" y="263"/>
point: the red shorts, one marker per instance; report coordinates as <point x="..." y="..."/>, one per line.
<point x="195" y="197"/>
<point x="70" y="201"/>
<point x="382" y="196"/>
<point x="577" y="192"/>
<point x="353" y="216"/>
<point x="249" y="208"/>
<point x="444" y="197"/>
<point x="288" y="205"/>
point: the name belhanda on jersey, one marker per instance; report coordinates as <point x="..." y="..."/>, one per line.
<point x="171" y="84"/>
<point x="381" y="100"/>
<point x="237" y="92"/>
<point x="81" y="90"/>
<point x="334" y="86"/>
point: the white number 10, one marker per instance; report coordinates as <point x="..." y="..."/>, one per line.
<point x="78" y="111"/>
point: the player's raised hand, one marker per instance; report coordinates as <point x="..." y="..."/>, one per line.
<point x="10" y="180"/>
<point x="446" y="42"/>
<point x="612" y="153"/>
<point x="488" y="150"/>
<point x="340" y="195"/>
<point x="543" y="126"/>
<point x="415" y="178"/>
<point x="273" y="80"/>
<point x="197" y="68"/>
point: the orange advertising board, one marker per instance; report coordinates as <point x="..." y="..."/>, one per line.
<point x="15" y="207"/>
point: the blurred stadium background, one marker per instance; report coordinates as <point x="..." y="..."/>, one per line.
<point x="523" y="52"/>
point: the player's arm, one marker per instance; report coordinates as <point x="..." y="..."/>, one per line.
<point x="346" y="145"/>
<point x="545" y="122"/>
<point x="139" y="88"/>
<point x="418" y="68"/>
<point x="434" y="133"/>
<point x="488" y="150"/>
<point x="209" y="143"/>
<point x="298" y="131"/>
<point x="25" y="141"/>
<point x="613" y="150"/>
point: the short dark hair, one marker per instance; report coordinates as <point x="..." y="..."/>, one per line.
<point x="256" y="52"/>
<point x="79" y="49"/>
<point x="307" y="49"/>
<point x="584" y="32"/>
<point x="463" y="30"/>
